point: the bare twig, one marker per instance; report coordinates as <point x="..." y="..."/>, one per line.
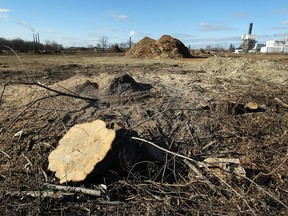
<point x="27" y="159"/>
<point x="7" y="155"/>
<point x="278" y="167"/>
<point x="199" y="174"/>
<point x="2" y="92"/>
<point x="18" y="60"/>
<point x="208" y="145"/>
<point x="56" y="113"/>
<point x="44" y="173"/>
<point x="165" y="150"/>
<point x="264" y="191"/>
<point x="203" y="164"/>
<point x="142" y="122"/>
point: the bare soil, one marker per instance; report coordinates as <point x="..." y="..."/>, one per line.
<point x="196" y="108"/>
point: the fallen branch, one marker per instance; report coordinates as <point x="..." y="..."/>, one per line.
<point x="165" y="150"/>
<point x="98" y="193"/>
<point x="281" y="103"/>
<point x="64" y="93"/>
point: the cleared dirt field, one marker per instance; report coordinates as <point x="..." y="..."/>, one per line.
<point x="198" y="108"/>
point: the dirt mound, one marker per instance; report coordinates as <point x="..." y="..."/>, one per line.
<point x="115" y="49"/>
<point x="87" y="88"/>
<point x="142" y="48"/>
<point x="165" y="48"/>
<point x="125" y="84"/>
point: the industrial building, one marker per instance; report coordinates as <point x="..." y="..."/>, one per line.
<point x="249" y="42"/>
<point x="250" y="45"/>
<point x="275" y="46"/>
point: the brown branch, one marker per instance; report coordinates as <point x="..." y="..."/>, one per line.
<point x="142" y="122"/>
<point x="56" y="113"/>
<point x="64" y="93"/>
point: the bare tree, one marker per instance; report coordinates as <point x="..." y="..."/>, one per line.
<point x="104" y="42"/>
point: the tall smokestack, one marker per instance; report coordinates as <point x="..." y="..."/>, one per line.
<point x="130" y="42"/>
<point x="250" y="28"/>
<point x="130" y="39"/>
<point x="33" y="38"/>
<point x="38" y="37"/>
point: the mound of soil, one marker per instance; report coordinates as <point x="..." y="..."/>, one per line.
<point x="87" y="88"/>
<point x="142" y="48"/>
<point x="125" y="84"/>
<point x="115" y="49"/>
<point x="166" y="47"/>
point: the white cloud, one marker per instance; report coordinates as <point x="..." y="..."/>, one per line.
<point x="4" y="10"/>
<point x="215" y="39"/>
<point x="3" y="13"/>
<point x="120" y="17"/>
<point x="52" y="31"/>
<point x="280" y="27"/>
<point x="213" y="27"/>
<point x="285" y="22"/>
<point x="108" y="29"/>
<point x="282" y="11"/>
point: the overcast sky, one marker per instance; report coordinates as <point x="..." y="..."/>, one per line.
<point x="195" y="23"/>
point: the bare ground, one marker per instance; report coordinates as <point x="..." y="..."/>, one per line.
<point x="195" y="108"/>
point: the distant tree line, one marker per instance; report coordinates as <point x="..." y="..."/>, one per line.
<point x="25" y="46"/>
<point x="220" y="49"/>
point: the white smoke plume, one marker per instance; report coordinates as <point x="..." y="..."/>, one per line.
<point x="27" y="26"/>
<point x="132" y="33"/>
